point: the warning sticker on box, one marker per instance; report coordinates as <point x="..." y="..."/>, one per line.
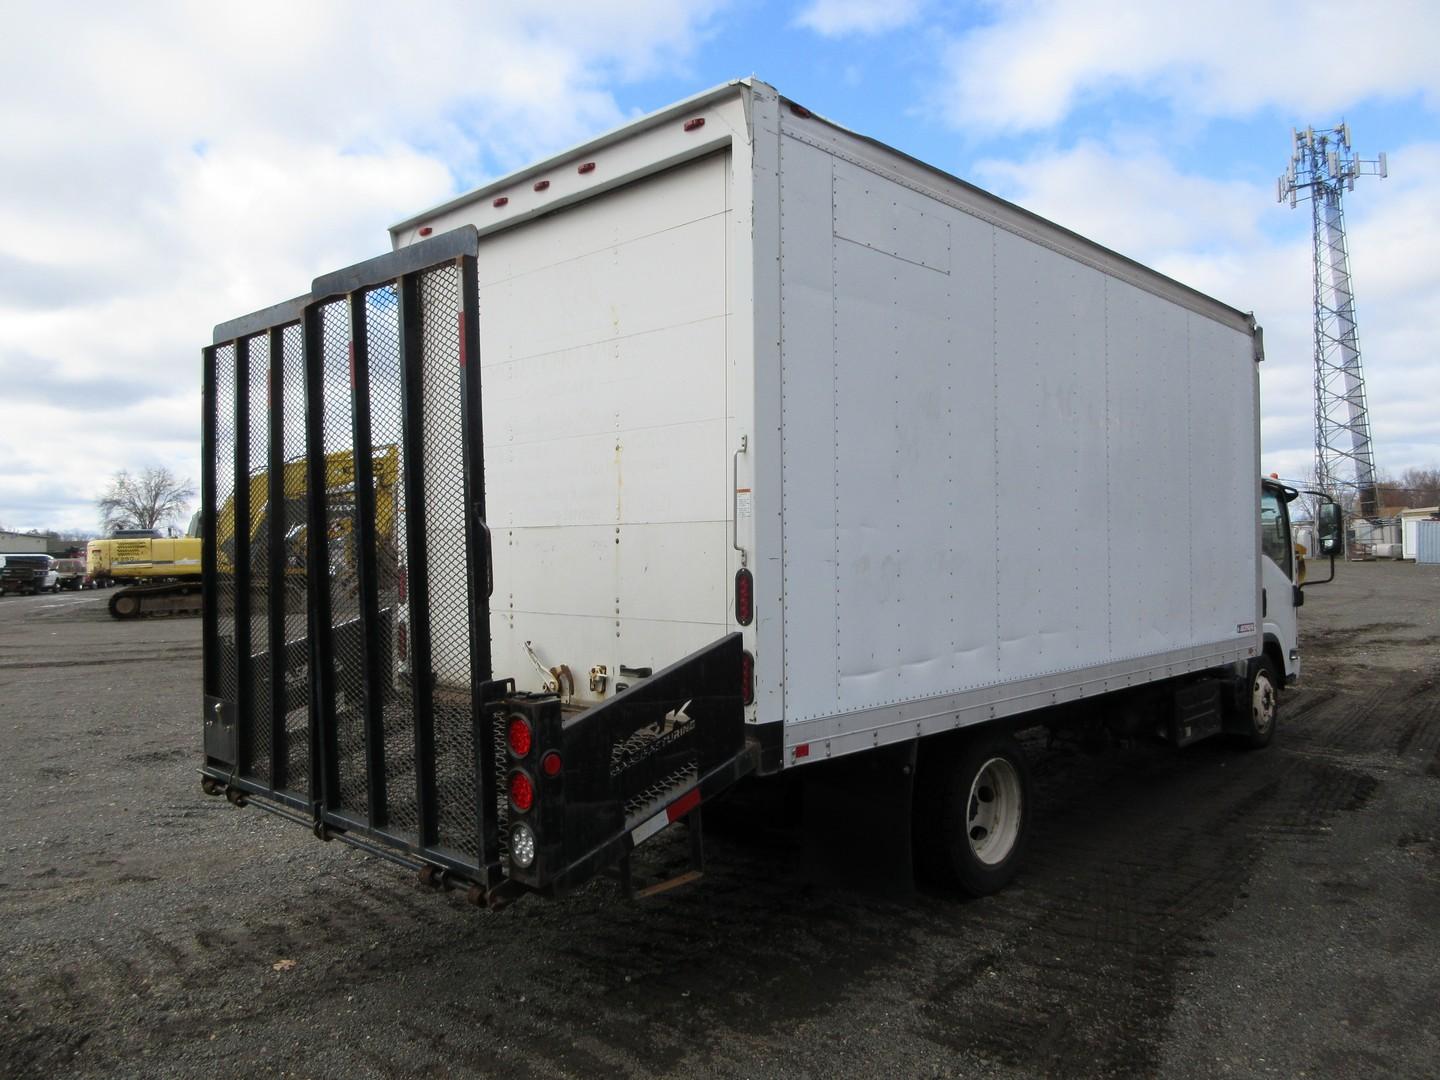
<point x="742" y="503"/>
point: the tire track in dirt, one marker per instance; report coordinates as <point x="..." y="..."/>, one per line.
<point x="1123" y="879"/>
<point x="639" y="971"/>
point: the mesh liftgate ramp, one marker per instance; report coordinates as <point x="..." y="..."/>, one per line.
<point x="347" y="575"/>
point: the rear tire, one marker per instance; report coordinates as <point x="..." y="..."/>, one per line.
<point x="973" y="812"/>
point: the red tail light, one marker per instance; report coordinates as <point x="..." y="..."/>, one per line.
<point x="402" y="585"/>
<point x="522" y="792"/>
<point x="551" y="764"/>
<point x="747" y="678"/>
<point x="744" y="597"/>
<point x="518" y="736"/>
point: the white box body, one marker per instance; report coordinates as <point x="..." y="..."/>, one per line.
<point x="987" y="465"/>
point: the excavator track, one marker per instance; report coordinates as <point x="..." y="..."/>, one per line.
<point x="146" y="601"/>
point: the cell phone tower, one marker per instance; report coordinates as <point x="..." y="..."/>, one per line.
<point x="1323" y="165"/>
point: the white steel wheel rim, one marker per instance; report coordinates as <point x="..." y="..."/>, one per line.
<point x="1262" y="701"/>
<point x="993" y="812"/>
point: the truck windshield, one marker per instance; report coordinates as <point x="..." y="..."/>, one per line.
<point x="1275" y="529"/>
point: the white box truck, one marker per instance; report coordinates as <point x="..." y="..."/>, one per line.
<point x="727" y="444"/>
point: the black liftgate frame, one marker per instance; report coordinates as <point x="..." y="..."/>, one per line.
<point x="347" y="571"/>
<point x="328" y="546"/>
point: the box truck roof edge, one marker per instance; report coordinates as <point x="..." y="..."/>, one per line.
<point x="975" y="199"/>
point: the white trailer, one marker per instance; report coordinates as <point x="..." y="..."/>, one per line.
<point x="744" y="372"/>
<point x="1409" y="528"/>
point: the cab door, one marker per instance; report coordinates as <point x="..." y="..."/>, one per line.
<point x="1277" y="577"/>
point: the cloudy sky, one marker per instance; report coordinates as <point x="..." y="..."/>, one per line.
<point x="164" y="167"/>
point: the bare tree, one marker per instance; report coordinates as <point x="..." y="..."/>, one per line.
<point x="147" y="501"/>
<point x="1421" y="487"/>
<point x="1388" y="493"/>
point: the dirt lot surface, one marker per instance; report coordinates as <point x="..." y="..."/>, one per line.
<point x="1202" y="913"/>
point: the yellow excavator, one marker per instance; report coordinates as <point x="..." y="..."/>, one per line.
<point x="137" y="556"/>
<point x="162" y="576"/>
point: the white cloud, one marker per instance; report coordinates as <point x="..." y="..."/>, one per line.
<point x="834" y="18"/>
<point x="1231" y="240"/>
<point x="168" y="168"/>
<point x="1094" y="188"/>
<point x="1039" y="59"/>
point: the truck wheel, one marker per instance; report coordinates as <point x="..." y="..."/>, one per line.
<point x="973" y="813"/>
<point x="1263" y="704"/>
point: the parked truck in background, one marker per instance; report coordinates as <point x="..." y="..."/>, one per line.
<point x="70" y="573"/>
<point x="721" y="439"/>
<point x="29" y="572"/>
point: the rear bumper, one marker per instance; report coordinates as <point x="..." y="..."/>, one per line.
<point x="646" y="758"/>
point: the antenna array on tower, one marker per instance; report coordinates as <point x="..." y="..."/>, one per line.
<point x="1323" y="165"/>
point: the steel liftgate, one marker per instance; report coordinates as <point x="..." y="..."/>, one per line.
<point x="347" y="575"/>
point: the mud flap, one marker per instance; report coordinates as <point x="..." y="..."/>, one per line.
<point x="857" y="820"/>
<point x="1235" y="701"/>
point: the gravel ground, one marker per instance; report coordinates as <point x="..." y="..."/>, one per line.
<point x="1201" y="913"/>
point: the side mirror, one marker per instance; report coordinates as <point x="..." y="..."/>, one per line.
<point x="1330" y="529"/>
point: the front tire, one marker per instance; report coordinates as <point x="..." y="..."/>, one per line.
<point x="973" y="812"/>
<point x="1260" y="707"/>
